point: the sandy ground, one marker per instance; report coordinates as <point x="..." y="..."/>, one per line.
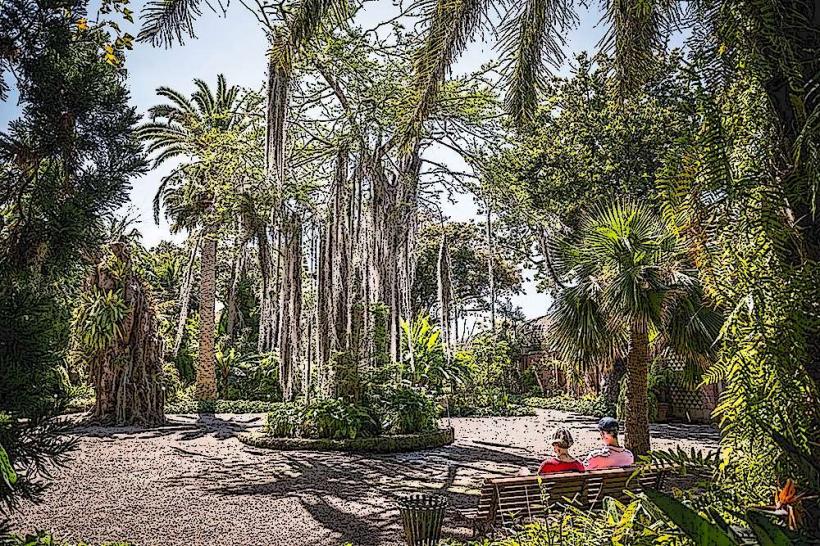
<point x="192" y="482"/>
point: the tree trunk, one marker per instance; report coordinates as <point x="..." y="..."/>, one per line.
<point x="637" y="406"/>
<point x="490" y="258"/>
<point x="206" y="366"/>
<point x="612" y="382"/>
<point x="290" y="304"/>
<point x="127" y="374"/>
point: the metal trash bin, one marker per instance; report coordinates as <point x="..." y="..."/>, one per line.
<point x="422" y="516"/>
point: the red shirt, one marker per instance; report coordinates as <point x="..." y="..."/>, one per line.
<point x="554" y="465"/>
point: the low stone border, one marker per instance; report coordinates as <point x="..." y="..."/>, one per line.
<point x="380" y="444"/>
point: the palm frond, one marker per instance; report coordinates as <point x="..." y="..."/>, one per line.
<point x="532" y="39"/>
<point x="165" y="22"/>
<point x="450" y="26"/>
<point x="637" y="32"/>
<point x="204" y="98"/>
<point x="181" y="101"/>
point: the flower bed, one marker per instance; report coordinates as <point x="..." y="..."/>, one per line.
<point x="388" y="443"/>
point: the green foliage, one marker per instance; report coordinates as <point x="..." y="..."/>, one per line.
<point x="424" y="361"/>
<point x="247" y="376"/>
<point x="328" y="419"/>
<point x="7" y="472"/>
<point x="97" y="319"/>
<point x="222" y="406"/>
<point x="467" y="248"/>
<point x="595" y="406"/>
<point x="491" y="375"/>
<point x="718" y="533"/>
<point x="285" y="421"/>
<point x="334" y="419"/>
<point x="407" y="411"/>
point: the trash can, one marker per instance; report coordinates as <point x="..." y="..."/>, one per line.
<point x="422" y="516"/>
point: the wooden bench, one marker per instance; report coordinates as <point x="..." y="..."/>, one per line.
<point x="507" y="500"/>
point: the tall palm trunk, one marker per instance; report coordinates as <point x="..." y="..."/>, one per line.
<point x="206" y="369"/>
<point x="637" y="407"/>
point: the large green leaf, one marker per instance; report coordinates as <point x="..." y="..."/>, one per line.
<point x="766" y="532"/>
<point x="696" y="527"/>
<point x="6" y="470"/>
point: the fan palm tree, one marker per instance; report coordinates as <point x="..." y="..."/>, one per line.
<point x="184" y="128"/>
<point x="629" y="290"/>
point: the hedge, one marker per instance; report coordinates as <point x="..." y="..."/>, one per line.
<point x="595" y="407"/>
<point x="222" y="406"/>
<point x="389" y="443"/>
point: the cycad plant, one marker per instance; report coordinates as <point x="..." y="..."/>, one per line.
<point x="191" y="128"/>
<point x="630" y="292"/>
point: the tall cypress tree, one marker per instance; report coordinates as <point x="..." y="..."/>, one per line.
<point x="65" y="166"/>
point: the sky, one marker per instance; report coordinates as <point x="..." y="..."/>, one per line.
<point x="235" y="45"/>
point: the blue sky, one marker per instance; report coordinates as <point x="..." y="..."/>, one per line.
<point x="235" y="46"/>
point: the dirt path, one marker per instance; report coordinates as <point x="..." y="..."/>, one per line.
<point x="192" y="482"/>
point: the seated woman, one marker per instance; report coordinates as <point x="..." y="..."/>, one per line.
<point x="563" y="461"/>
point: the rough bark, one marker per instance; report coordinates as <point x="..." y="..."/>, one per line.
<point x="445" y="294"/>
<point x="612" y="381"/>
<point x="206" y="365"/>
<point x="637" y="406"/>
<point x="490" y="271"/>
<point x="394" y="219"/>
<point x="279" y="80"/>
<point x="185" y="299"/>
<point x="127" y="375"/>
<point x="290" y="304"/>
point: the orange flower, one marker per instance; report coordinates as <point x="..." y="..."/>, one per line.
<point x="82" y="24"/>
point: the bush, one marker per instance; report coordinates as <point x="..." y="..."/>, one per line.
<point x="222" y="406"/>
<point x="246" y="375"/>
<point x="407" y="411"/>
<point x="171" y="383"/>
<point x="285" y="420"/>
<point x="328" y="419"/>
<point x="588" y="405"/>
<point x="336" y="420"/>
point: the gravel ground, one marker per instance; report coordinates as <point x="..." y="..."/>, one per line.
<point x="192" y="482"/>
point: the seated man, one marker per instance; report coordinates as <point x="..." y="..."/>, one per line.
<point x="563" y="461"/>
<point x="611" y="455"/>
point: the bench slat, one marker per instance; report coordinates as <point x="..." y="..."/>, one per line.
<point x="525" y="496"/>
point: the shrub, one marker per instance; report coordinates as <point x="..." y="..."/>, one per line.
<point x="329" y="419"/>
<point x="285" y="420"/>
<point x="335" y="419"/>
<point x="407" y="411"/>
<point x="588" y="405"/>
<point x="171" y="383"/>
<point x="222" y="406"/>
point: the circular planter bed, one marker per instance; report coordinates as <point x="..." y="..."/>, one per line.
<point x="379" y="444"/>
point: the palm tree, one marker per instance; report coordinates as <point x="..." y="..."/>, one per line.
<point x="629" y="290"/>
<point x="184" y="127"/>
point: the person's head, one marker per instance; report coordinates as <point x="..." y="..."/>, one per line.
<point x="562" y="441"/>
<point x="608" y="429"/>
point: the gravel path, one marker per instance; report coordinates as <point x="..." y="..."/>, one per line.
<point x="192" y="482"/>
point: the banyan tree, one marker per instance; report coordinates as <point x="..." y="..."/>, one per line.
<point x="115" y="330"/>
<point x="348" y="166"/>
